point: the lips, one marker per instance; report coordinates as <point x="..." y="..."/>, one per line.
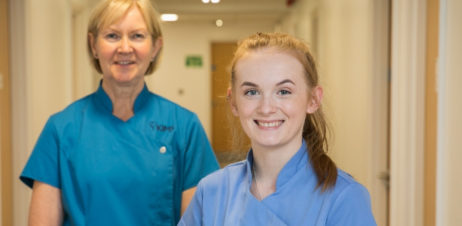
<point x="269" y="124"/>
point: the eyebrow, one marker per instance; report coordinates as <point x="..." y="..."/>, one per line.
<point x="285" y="81"/>
<point x="113" y="28"/>
<point x="248" y="84"/>
<point x="279" y="83"/>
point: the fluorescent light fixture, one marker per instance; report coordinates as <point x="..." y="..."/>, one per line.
<point x="215" y="1"/>
<point x="219" y="23"/>
<point x="169" y="17"/>
<point x="206" y="1"/>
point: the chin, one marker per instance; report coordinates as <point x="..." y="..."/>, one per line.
<point x="267" y="142"/>
<point x="125" y="78"/>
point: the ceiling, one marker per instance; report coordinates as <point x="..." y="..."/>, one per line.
<point x="227" y="10"/>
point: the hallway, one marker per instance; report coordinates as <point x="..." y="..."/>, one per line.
<point x="390" y="71"/>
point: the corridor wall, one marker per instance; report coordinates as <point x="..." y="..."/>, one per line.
<point x="41" y="72"/>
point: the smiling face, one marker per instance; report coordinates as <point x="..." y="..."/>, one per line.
<point x="270" y="95"/>
<point x="125" y="49"/>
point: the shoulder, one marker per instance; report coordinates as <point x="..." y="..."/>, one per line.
<point x="171" y="113"/>
<point x="72" y="112"/>
<point x="164" y="103"/>
<point x="74" y="108"/>
<point x="344" y="180"/>
<point x="350" y="202"/>
<point x="230" y="174"/>
<point x="347" y="185"/>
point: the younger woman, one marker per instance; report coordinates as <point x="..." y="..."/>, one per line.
<point x="287" y="178"/>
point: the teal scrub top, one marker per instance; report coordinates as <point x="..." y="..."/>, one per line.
<point x="224" y="199"/>
<point x="112" y="172"/>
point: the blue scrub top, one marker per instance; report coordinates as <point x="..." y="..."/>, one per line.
<point x="223" y="198"/>
<point x="112" y="172"/>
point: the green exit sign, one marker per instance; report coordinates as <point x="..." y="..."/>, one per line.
<point x="193" y="61"/>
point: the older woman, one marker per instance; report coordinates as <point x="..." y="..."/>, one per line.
<point x="122" y="155"/>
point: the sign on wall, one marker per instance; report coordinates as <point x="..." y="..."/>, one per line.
<point x="193" y="61"/>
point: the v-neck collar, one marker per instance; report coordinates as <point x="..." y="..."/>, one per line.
<point x="102" y="99"/>
<point x="299" y="160"/>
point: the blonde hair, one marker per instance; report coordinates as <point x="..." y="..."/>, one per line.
<point x="315" y="128"/>
<point x="108" y="12"/>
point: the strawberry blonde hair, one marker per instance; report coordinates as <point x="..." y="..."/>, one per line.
<point x="315" y="128"/>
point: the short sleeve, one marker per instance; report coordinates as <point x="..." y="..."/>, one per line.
<point x="199" y="157"/>
<point x="43" y="161"/>
<point x="193" y="214"/>
<point x="352" y="208"/>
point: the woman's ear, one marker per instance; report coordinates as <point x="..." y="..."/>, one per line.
<point x="92" y="38"/>
<point x="315" y="100"/>
<point x="158" y="43"/>
<point x="231" y="101"/>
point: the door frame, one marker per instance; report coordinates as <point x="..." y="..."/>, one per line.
<point x="6" y="175"/>
<point x="407" y="112"/>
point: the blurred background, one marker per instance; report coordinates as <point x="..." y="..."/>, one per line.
<point x="391" y="72"/>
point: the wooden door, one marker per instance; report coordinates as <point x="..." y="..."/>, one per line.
<point x="228" y="140"/>
<point x="5" y="121"/>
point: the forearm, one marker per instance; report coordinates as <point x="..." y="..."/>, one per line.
<point x="46" y="206"/>
<point x="186" y="198"/>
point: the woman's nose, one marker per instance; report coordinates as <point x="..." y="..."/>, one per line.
<point x="267" y="105"/>
<point x="125" y="46"/>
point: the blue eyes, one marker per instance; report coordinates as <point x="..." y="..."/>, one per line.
<point x="116" y="37"/>
<point x="284" y="92"/>
<point x="111" y="36"/>
<point x="253" y="92"/>
<point x="139" y="36"/>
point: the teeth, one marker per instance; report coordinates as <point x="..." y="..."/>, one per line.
<point x="124" y="62"/>
<point x="270" y="124"/>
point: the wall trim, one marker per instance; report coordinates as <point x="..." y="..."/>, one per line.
<point x="449" y="169"/>
<point x="441" y="159"/>
<point x="407" y="112"/>
<point x="19" y="89"/>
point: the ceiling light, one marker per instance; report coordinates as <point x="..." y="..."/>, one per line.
<point x="215" y="1"/>
<point x="206" y="1"/>
<point x="219" y="23"/>
<point x="169" y="17"/>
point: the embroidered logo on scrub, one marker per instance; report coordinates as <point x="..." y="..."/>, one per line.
<point x="160" y="128"/>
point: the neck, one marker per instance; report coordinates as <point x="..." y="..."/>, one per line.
<point x="267" y="164"/>
<point x="122" y="98"/>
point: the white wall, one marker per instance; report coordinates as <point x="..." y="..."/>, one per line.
<point x="345" y="65"/>
<point x="349" y="39"/>
<point x="41" y="79"/>
<point x="449" y="155"/>
<point x="356" y="92"/>
<point x="85" y="78"/>
<point x="194" y="38"/>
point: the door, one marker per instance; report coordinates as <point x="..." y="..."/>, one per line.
<point x="229" y="142"/>
<point x="5" y="121"/>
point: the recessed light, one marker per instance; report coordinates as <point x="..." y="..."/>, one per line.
<point x="206" y="1"/>
<point x="215" y="1"/>
<point x="169" y="17"/>
<point x="219" y="23"/>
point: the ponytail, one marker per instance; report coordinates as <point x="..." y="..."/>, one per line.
<point x="315" y="135"/>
